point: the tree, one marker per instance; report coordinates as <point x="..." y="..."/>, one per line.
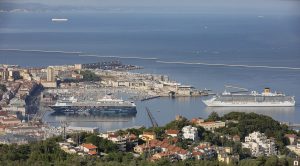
<point x="213" y="117"/>
<point x="271" y="161"/>
<point x="248" y="162"/>
<point x="250" y="122"/>
<point x="177" y="124"/>
<point x="163" y="162"/>
<point x="3" y="88"/>
<point x="89" y="76"/>
<point x="93" y="139"/>
<point x="102" y="144"/>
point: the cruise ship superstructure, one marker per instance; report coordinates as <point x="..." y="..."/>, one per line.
<point x="253" y="99"/>
<point x="107" y="104"/>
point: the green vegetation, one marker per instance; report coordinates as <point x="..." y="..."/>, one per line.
<point x="270" y="161"/>
<point x="213" y="117"/>
<point x="177" y="124"/>
<point x="249" y="122"/>
<point x="3" y="88"/>
<point x="48" y="152"/>
<point x="102" y="144"/>
<point x="89" y="76"/>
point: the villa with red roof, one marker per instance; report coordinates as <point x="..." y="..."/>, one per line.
<point x="172" y="133"/>
<point x="89" y="149"/>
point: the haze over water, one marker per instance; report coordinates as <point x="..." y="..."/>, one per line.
<point x="210" y="50"/>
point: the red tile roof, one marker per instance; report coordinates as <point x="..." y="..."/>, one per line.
<point x="165" y="145"/>
<point x="172" y="132"/>
<point x="112" y="135"/>
<point x="182" y="151"/>
<point x="149" y="133"/>
<point x="89" y="146"/>
<point x="290" y="135"/>
<point x="197" y="153"/>
<point x="204" y="123"/>
<point x="3" y="113"/>
<point x="92" y="153"/>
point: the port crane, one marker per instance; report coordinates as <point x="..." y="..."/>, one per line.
<point x="151" y="117"/>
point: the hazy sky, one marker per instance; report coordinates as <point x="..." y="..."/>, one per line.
<point x="163" y="2"/>
<point x="261" y="5"/>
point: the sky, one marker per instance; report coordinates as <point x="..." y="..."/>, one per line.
<point x="290" y="6"/>
<point x="250" y="3"/>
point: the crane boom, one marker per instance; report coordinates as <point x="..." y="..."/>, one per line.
<point x="152" y="119"/>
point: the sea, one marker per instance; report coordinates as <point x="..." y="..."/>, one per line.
<point x="205" y="50"/>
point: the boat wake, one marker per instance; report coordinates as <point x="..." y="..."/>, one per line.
<point x="230" y="65"/>
<point x="44" y="51"/>
<point x="130" y="57"/>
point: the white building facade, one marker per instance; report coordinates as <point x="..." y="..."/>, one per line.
<point x="190" y="132"/>
<point x="259" y="144"/>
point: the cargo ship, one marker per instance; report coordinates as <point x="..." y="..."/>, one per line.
<point x="105" y="105"/>
<point x="253" y="99"/>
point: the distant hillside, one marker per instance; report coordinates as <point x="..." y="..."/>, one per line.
<point x="33" y="7"/>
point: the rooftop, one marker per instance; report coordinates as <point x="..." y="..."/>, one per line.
<point x="172" y="131"/>
<point x="89" y="146"/>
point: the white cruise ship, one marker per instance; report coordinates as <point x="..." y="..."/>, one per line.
<point x="253" y="99"/>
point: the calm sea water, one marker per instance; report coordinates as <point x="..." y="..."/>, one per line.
<point x="253" y="40"/>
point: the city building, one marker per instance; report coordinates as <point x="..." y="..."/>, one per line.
<point x="148" y="136"/>
<point x="197" y="121"/>
<point x="78" y="66"/>
<point x="16" y="139"/>
<point x="227" y="158"/>
<point x="162" y="149"/>
<point x="121" y="140"/>
<point x="259" y="144"/>
<point x="10" y="121"/>
<point x="172" y="133"/>
<point x="50" y="74"/>
<point x="295" y="147"/>
<point x="204" y="151"/>
<point x="292" y="138"/>
<point x="4" y="74"/>
<point x="211" y="125"/>
<point x="236" y="138"/>
<point x="190" y="132"/>
<point x="71" y="129"/>
<point x="161" y="155"/>
<point x="89" y="149"/>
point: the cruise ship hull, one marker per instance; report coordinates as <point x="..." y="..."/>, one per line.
<point x="98" y="110"/>
<point x="248" y="104"/>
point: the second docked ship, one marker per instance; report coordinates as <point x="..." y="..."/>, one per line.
<point x="253" y="99"/>
<point x="105" y="105"/>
